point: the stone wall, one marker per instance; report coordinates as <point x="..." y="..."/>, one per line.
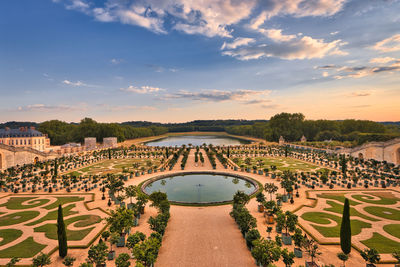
<point x="383" y="151"/>
<point x="13" y="156"/>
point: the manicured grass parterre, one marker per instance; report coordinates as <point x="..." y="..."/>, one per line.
<point x="52" y="215"/>
<point x="381" y="243"/>
<point x="15" y="203"/>
<point x="337" y="208"/>
<point x="281" y="164"/>
<point x="333" y="231"/>
<point x="18" y="217"/>
<point x="371" y="199"/>
<point x="26" y="249"/>
<point x="50" y="230"/>
<point x="386" y="213"/>
<point x="393" y="229"/>
<point x="337" y="196"/>
<point x="9" y="235"/>
<point x="62" y="201"/>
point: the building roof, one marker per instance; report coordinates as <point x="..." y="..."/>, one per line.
<point x="21" y="132"/>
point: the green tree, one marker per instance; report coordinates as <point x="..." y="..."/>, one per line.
<point x="61" y="234"/>
<point x="287" y="257"/>
<point x="97" y="254"/>
<point x="146" y="252"/>
<point x="265" y="252"/>
<point x="345" y="229"/>
<point x="41" y="260"/>
<point x="123" y="260"/>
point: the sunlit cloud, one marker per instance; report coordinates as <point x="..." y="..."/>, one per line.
<point x="142" y="89"/>
<point x="390" y="44"/>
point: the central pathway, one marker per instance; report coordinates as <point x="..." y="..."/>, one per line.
<point x="199" y="236"/>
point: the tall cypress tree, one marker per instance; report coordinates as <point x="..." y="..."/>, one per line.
<point x="61" y="234"/>
<point x="345" y="229"/>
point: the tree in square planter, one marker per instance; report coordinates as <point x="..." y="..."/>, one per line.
<point x="265" y="252"/>
<point x="311" y="247"/>
<point x="141" y="200"/>
<point x="121" y="220"/>
<point x="113" y="240"/>
<point x="287" y="221"/>
<point x="131" y="192"/>
<point x="260" y="199"/>
<point x="271" y="209"/>
<point x="134" y="239"/>
<point x="298" y="239"/>
<point x="97" y="254"/>
<point x="288" y="257"/>
<point x="146" y="252"/>
<point x="371" y="257"/>
<point x="270" y="188"/>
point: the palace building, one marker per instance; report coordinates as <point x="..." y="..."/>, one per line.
<point x="24" y="137"/>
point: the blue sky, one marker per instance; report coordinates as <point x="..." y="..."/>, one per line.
<point x="180" y="60"/>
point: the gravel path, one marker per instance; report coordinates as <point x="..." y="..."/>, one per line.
<point x="217" y="240"/>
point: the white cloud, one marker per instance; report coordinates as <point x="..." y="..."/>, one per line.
<point x="142" y="89"/>
<point x="128" y="107"/>
<point x="382" y="60"/>
<point x="390" y="44"/>
<point x="77" y="84"/>
<point x="276" y="35"/>
<point x="289" y="47"/>
<point x="240" y="41"/>
<point x="115" y="61"/>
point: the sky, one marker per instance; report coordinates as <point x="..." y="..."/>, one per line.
<point x="183" y="60"/>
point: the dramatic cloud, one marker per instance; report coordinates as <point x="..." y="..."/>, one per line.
<point x="288" y="47"/>
<point x="218" y="95"/>
<point x="77" y="84"/>
<point x="207" y="17"/>
<point x="241" y="41"/>
<point x="390" y="44"/>
<point x="142" y="89"/>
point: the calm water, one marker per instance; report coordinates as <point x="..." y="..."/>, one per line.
<point x="200" y="187"/>
<point x="197" y="140"/>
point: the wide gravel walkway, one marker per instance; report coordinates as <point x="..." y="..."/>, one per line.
<point x="198" y="236"/>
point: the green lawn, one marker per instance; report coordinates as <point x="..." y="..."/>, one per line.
<point x="393" y="229"/>
<point x="381" y="244"/>
<point x="370" y="199"/>
<point x="9" y="235"/>
<point x="15" y="203"/>
<point x="18" y="217"/>
<point x="52" y="215"/>
<point x="337" y="196"/>
<point x="26" y="249"/>
<point x="383" y="212"/>
<point x="322" y="218"/>
<point x="50" y="230"/>
<point x="62" y="201"/>
<point x="337" y="208"/>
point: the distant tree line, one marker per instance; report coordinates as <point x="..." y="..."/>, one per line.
<point x="61" y="132"/>
<point x="292" y="126"/>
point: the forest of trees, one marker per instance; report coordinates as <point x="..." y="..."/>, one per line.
<point x="289" y="125"/>
<point x="292" y="126"/>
